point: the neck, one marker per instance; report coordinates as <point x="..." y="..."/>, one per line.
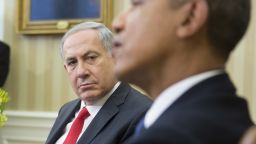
<point x="175" y="69"/>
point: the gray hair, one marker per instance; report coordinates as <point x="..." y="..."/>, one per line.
<point x="105" y="35"/>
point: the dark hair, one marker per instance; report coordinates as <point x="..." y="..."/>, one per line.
<point x="4" y="62"/>
<point x="227" y="23"/>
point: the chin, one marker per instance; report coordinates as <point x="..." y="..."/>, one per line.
<point x="122" y="73"/>
<point x="125" y="76"/>
<point x="135" y="74"/>
<point x="88" y="99"/>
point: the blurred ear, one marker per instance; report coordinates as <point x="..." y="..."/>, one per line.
<point x="195" y="15"/>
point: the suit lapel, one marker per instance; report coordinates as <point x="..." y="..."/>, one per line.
<point x="65" y="116"/>
<point x="106" y="113"/>
<point x="98" y="123"/>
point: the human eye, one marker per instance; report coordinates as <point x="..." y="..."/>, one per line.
<point x="71" y="62"/>
<point x="136" y="2"/>
<point x="91" y="58"/>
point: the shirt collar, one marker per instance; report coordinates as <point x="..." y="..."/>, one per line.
<point x="93" y="109"/>
<point x="172" y="93"/>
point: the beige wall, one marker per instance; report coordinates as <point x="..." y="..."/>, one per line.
<point x="242" y="65"/>
<point x="37" y="80"/>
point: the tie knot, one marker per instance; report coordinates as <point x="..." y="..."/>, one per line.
<point x="83" y="114"/>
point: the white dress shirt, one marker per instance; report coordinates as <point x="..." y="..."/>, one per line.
<point x="92" y="109"/>
<point x="172" y="93"/>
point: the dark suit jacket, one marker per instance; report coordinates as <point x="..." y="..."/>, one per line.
<point x="113" y="124"/>
<point x="4" y="62"/>
<point x="209" y="113"/>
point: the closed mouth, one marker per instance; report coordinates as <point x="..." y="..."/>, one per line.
<point x="86" y="85"/>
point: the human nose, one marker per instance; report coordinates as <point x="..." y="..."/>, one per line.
<point x="82" y="70"/>
<point x="119" y="22"/>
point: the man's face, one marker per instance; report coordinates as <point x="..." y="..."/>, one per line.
<point x="145" y="36"/>
<point x="89" y="65"/>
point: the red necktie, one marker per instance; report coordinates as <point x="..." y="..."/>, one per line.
<point x="76" y="127"/>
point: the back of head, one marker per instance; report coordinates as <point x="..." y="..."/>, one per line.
<point x="227" y="23"/>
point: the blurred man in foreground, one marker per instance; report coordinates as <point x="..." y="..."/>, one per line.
<point x="176" y="50"/>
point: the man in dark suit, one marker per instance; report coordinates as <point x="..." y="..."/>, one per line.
<point x="176" y="50"/>
<point x="112" y="108"/>
<point x="4" y="62"/>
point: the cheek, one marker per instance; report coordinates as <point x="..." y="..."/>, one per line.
<point x="72" y="79"/>
<point x="106" y="75"/>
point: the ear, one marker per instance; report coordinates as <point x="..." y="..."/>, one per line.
<point x="196" y="14"/>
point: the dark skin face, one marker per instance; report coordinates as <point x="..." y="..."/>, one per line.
<point x="142" y="35"/>
<point x="158" y="44"/>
